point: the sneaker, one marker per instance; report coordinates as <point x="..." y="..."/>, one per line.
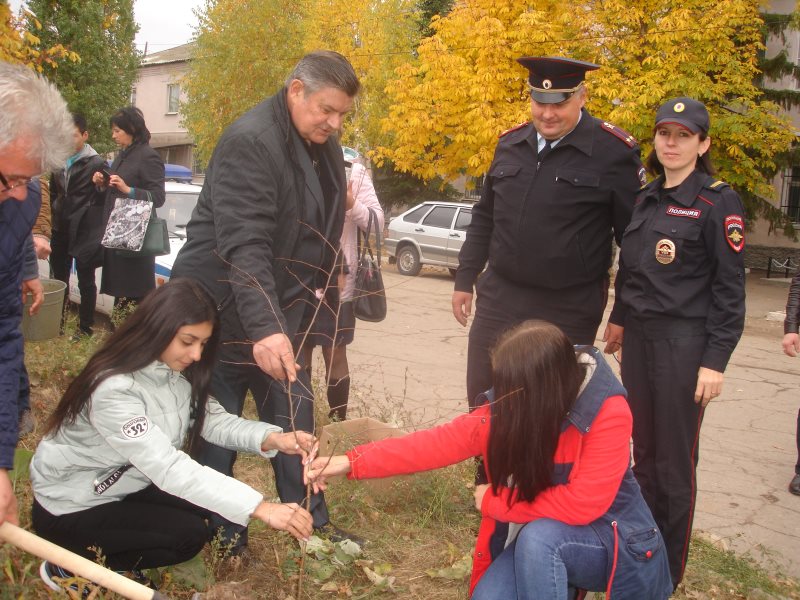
<point x="333" y="533"/>
<point x="61" y="580"/>
<point x="26" y="422"/>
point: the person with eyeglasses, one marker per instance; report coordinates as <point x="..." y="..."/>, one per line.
<point x="35" y="136"/>
<point x="559" y="190"/>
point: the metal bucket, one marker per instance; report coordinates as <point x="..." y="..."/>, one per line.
<point x="46" y="324"/>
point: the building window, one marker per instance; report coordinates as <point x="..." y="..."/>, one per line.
<point x="173" y="97"/>
<point x="790" y="197"/>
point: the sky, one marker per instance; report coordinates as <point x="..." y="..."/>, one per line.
<point x="162" y="23"/>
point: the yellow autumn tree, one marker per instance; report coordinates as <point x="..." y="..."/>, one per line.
<point x="377" y="37"/>
<point x="464" y="88"/>
<point x="21" y="45"/>
<point x="243" y="53"/>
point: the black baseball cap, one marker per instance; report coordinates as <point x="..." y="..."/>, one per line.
<point x="553" y="79"/>
<point x="686" y="112"/>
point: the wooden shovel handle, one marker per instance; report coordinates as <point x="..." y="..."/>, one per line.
<point x="33" y="544"/>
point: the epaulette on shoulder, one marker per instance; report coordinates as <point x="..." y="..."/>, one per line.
<point x="620" y="133"/>
<point x="520" y="126"/>
<point x="717" y="185"/>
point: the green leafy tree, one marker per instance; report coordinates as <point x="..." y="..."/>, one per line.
<point x="21" y="45"/>
<point x="101" y="32"/>
<point x="449" y="104"/>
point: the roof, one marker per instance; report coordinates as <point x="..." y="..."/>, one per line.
<point x="170" y="55"/>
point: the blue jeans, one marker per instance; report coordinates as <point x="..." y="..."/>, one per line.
<point x="546" y="560"/>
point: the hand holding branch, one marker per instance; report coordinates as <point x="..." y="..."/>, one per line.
<point x="289" y="517"/>
<point x="275" y="356"/>
<point x="318" y="471"/>
<point x="292" y="442"/>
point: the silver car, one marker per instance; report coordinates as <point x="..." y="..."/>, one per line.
<point x="429" y="234"/>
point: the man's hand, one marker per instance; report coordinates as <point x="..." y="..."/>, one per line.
<point x="36" y="290"/>
<point x="613" y="338"/>
<point x="709" y="385"/>
<point x="791" y="344"/>
<point x="480" y="492"/>
<point x="274" y="355"/>
<point x="292" y="442"/>
<point x="41" y="245"/>
<point x="8" y="502"/>
<point x="288" y="517"/>
<point x="462" y="307"/>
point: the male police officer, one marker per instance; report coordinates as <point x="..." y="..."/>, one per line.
<point x="556" y="190"/>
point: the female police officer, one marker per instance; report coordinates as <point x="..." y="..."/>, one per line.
<point x="680" y="302"/>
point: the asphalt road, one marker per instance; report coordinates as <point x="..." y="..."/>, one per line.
<point x="410" y="369"/>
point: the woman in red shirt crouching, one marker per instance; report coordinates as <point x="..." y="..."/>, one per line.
<point x="562" y="510"/>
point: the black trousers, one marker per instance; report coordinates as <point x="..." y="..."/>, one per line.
<point x="797" y="434"/>
<point x="501" y="304"/>
<point x="145" y="530"/>
<point x="660" y="360"/>
<point x="229" y="386"/>
<point x="60" y="262"/>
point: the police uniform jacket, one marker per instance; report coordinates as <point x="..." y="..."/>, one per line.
<point x="551" y="227"/>
<point x="682" y="257"/>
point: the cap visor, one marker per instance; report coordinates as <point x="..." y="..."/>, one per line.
<point x="688" y="125"/>
<point x="550" y="97"/>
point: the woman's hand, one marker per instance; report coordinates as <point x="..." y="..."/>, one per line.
<point x="116" y="181"/>
<point x="321" y="468"/>
<point x="480" y="492"/>
<point x="292" y="442"/>
<point x="99" y="180"/>
<point x="289" y="517"/>
<point x="709" y="385"/>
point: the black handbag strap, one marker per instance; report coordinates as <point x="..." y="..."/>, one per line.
<point x="365" y="246"/>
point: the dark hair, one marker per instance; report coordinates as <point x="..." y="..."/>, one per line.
<point x="80" y="122"/>
<point x="131" y="120"/>
<point x="325" y="68"/>
<point x="139" y="341"/>
<point x="536" y="379"/>
<point x="703" y="163"/>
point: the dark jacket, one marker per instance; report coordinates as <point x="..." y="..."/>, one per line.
<point x="551" y="227"/>
<point x="142" y="168"/>
<point x="248" y="224"/>
<point x="77" y="206"/>
<point x="792" y="321"/>
<point x="16" y="254"/>
<point x="592" y="483"/>
<point x="683" y="257"/>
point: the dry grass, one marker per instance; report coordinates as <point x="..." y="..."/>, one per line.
<point x="421" y="523"/>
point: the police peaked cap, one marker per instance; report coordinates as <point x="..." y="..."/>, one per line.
<point x="686" y="112"/>
<point x="553" y="79"/>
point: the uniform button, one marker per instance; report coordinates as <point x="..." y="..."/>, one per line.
<point x="501" y="172"/>
<point x="575" y="180"/>
<point x="674" y="230"/>
<point x="480" y="554"/>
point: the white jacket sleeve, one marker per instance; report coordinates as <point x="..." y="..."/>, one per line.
<point x="235" y="433"/>
<point x="120" y="416"/>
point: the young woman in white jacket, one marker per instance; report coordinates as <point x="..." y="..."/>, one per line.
<point x="115" y="472"/>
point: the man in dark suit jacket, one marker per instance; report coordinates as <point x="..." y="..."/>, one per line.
<point x="264" y="239"/>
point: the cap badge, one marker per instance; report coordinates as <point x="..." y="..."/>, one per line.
<point x="665" y="251"/>
<point x="547" y="84"/>
<point x="679" y="106"/>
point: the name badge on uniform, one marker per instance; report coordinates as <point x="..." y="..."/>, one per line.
<point x="665" y="251"/>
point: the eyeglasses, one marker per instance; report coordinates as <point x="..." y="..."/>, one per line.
<point x="15" y="183"/>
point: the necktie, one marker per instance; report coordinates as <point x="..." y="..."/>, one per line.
<point x="544" y="151"/>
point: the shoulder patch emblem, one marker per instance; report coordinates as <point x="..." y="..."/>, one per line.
<point x="136" y="427"/>
<point x="520" y="126"/>
<point x="617" y="132"/>
<point x="734" y="232"/>
<point x="642" y="175"/>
